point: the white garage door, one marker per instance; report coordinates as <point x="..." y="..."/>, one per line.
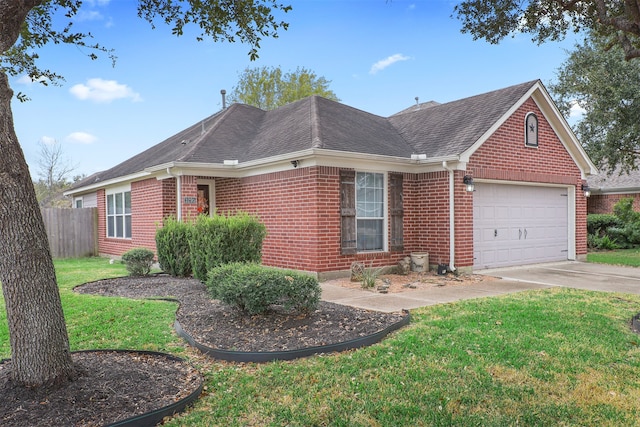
<point x="516" y="225"/>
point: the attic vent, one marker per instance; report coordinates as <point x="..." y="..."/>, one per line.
<point x="184" y="142"/>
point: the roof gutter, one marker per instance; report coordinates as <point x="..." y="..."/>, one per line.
<point x="452" y="222"/>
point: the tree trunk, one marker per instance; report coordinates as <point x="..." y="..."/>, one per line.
<point x="39" y="341"/>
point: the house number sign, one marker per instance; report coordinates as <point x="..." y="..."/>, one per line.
<point x="190" y="200"/>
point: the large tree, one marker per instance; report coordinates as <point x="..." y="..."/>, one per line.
<point x="269" y="88"/>
<point x="598" y="80"/>
<point x="38" y="336"/>
<point x="616" y="21"/>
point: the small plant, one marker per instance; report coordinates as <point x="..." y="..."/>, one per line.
<point x="369" y="276"/>
<point x="138" y="261"/>
<point x="256" y="289"/>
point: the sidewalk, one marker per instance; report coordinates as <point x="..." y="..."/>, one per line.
<point x="393" y="302"/>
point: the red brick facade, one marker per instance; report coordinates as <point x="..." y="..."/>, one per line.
<point x="301" y="206"/>
<point x="604" y="203"/>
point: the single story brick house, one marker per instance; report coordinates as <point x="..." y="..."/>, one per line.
<point x="608" y="189"/>
<point x="334" y="184"/>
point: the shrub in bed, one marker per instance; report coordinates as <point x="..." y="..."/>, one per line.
<point x="255" y="289"/>
<point x="172" y="244"/>
<point x="219" y="240"/>
<point x="138" y="261"/>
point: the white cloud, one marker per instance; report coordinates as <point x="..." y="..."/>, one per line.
<point x="99" y="90"/>
<point x="384" y="63"/>
<point x="80" y="138"/>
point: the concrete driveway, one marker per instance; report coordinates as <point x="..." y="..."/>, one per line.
<point x="573" y="274"/>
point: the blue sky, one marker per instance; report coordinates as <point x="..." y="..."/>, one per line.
<point x="378" y="54"/>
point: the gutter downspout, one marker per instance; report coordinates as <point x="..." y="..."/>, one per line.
<point x="178" y="194"/>
<point x="452" y="222"/>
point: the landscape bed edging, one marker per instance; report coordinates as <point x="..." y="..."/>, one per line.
<point x="268" y="356"/>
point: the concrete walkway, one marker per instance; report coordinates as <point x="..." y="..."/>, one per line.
<point x="596" y="277"/>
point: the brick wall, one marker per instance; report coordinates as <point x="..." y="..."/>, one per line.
<point x="604" y="203"/>
<point x="151" y="201"/>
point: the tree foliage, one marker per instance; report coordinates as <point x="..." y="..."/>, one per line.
<point x="606" y="87"/>
<point x="616" y="21"/>
<point x="268" y="88"/>
<point x="38" y="336"/>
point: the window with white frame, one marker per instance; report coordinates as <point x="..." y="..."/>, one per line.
<point x="119" y="214"/>
<point x="370" y="211"/>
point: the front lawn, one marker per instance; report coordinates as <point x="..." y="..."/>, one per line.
<point x="629" y="257"/>
<point x="552" y="357"/>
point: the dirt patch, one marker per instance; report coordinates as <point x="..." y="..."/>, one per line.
<point x="396" y="283"/>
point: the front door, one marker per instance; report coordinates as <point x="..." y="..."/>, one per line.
<point x="203" y="199"/>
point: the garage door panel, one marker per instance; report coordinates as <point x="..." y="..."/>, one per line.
<point x="516" y="224"/>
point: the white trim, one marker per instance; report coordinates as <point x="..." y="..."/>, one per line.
<point x="385" y="212"/>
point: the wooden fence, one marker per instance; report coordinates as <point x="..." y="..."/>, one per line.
<point x="72" y="233"/>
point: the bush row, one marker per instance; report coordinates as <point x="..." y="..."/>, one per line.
<point x="197" y="247"/>
<point x="225" y="252"/>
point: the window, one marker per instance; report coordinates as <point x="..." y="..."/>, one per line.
<point x="79" y="203"/>
<point x="370" y="211"/>
<point x="531" y="130"/>
<point x="119" y="215"/>
<point x="363" y="211"/>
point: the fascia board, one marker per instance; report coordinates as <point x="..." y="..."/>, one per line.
<point x="108" y="183"/>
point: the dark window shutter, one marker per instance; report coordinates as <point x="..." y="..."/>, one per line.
<point x="396" y="211"/>
<point x="348" y="212"/>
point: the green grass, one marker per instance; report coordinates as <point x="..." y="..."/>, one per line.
<point x="629" y="257"/>
<point x="100" y="322"/>
<point x="548" y="357"/>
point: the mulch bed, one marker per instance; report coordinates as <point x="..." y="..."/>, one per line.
<point x="115" y="386"/>
<point x="111" y="386"/>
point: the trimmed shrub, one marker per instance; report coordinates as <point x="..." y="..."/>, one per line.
<point x="220" y="240"/>
<point x="138" y="261"/>
<point x="172" y="243"/>
<point x="255" y="289"/>
<point x="598" y="224"/>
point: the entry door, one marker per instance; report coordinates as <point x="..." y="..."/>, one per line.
<point x="203" y="199"/>
<point x="517" y="225"/>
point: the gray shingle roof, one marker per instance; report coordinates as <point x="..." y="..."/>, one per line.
<point x="453" y="127"/>
<point x="616" y="181"/>
<point x="246" y="133"/>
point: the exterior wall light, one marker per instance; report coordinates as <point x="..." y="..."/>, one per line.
<point x="586" y="189"/>
<point x="468" y="181"/>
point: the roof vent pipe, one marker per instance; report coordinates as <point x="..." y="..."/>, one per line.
<point x="224" y="100"/>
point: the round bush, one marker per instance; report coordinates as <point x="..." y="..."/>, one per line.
<point x="256" y="289"/>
